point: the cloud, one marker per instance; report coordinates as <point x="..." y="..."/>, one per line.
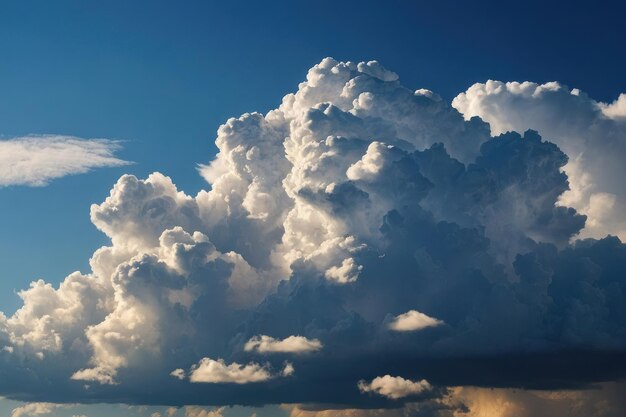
<point x="295" y="411"/>
<point x="600" y="401"/>
<point x="615" y="110"/>
<point x="37" y="160"/>
<point x="201" y="412"/>
<point x="288" y="369"/>
<point x="34" y="409"/>
<point x="394" y="387"/>
<point x="291" y="344"/>
<point x="591" y="133"/>
<point x="413" y="321"/>
<point x="356" y="199"/>
<point x="217" y="371"/>
<point x="178" y="373"/>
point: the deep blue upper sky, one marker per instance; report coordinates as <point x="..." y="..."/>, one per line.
<point x="164" y="75"/>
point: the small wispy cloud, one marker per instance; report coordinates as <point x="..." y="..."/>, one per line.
<point x="36" y="160"/>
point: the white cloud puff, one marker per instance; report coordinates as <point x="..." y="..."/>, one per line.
<point x="291" y="344"/>
<point x="394" y="387"/>
<point x="36" y="160"/>
<point x="34" y="409"/>
<point x="217" y="371"/>
<point x="412" y="321"/>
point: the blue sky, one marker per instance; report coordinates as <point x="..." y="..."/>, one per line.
<point x="163" y="77"/>
<point x="160" y="77"/>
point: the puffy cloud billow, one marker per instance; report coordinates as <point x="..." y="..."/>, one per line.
<point x="591" y="133"/>
<point x="394" y="387"/>
<point x="361" y="231"/>
<point x="291" y="344"/>
<point x="412" y="321"/>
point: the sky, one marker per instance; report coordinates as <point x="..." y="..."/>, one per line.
<point x="306" y="248"/>
<point x="163" y="78"/>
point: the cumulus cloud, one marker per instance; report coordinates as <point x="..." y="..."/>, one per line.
<point x="295" y="411"/>
<point x="354" y="200"/>
<point x="291" y="344"/>
<point x="217" y="371"/>
<point x="600" y="401"/>
<point x="394" y="387"/>
<point x="591" y="133"/>
<point x="615" y="110"/>
<point x="37" y="160"/>
<point x="201" y="412"/>
<point x="412" y="321"/>
<point x="34" y="409"/>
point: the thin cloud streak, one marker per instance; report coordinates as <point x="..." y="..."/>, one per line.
<point x="36" y="160"/>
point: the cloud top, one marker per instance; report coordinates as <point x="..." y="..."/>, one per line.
<point x="591" y="133"/>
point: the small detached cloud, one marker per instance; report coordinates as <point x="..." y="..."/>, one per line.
<point x="291" y="344"/>
<point x="178" y="373"/>
<point x="412" y="321"/>
<point x="394" y="387"/>
<point x="217" y="371"/>
<point x="288" y="370"/>
<point x="36" y="160"/>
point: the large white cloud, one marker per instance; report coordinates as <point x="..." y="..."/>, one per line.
<point x="591" y="133"/>
<point x="36" y="160"/>
<point x="355" y="199"/>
